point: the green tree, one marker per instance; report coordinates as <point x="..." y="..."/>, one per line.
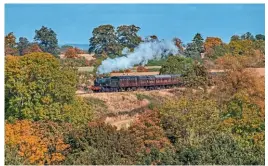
<point x="176" y="65"/>
<point x="47" y="40"/>
<point x="194" y="49"/>
<point x="104" y="40"/>
<point x="218" y="51"/>
<point x="260" y="37"/>
<point x="198" y="40"/>
<point x="189" y="120"/>
<point x="235" y="38"/>
<point x="99" y="144"/>
<point x="127" y="36"/>
<point x="23" y="45"/>
<point x="36" y="87"/>
<point x="194" y="74"/>
<point x="224" y="149"/>
<point x="157" y="157"/>
<point x="247" y="36"/>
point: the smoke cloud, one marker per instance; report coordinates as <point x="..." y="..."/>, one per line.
<point x="141" y="55"/>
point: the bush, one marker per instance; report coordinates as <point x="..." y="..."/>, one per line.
<point x="71" y="53"/>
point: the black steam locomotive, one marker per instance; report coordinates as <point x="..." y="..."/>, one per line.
<point x="131" y="83"/>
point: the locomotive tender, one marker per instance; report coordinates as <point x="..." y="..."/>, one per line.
<point x="131" y="83"/>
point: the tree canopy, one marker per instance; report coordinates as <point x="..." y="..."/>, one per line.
<point x="36" y="86"/>
<point x="47" y="40"/>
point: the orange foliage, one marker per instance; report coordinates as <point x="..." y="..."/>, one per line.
<point x="148" y="132"/>
<point x="71" y="53"/>
<point x="127" y="71"/>
<point x="242" y="90"/>
<point x="10" y="51"/>
<point x="31" y="49"/>
<point x="141" y="69"/>
<point x="10" y="44"/>
<point x="239" y="78"/>
<point x="211" y="42"/>
<point x="34" y="144"/>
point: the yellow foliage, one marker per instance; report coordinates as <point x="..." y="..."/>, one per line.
<point x="33" y="145"/>
<point x="211" y="42"/>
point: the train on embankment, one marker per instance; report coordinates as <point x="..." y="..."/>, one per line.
<point x="132" y="83"/>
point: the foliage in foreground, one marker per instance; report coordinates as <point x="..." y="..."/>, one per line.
<point x="47" y="124"/>
<point x="37" y="87"/>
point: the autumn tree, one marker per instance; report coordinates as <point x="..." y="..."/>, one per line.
<point x="127" y="36"/>
<point x="104" y="40"/>
<point x="211" y="42"/>
<point x="10" y="44"/>
<point x="240" y="47"/>
<point x="152" y="144"/>
<point x="36" y="87"/>
<point x="47" y="40"/>
<point x="32" y="48"/>
<point x="183" y="120"/>
<point x="152" y="136"/>
<point x="218" y="51"/>
<point x="240" y="93"/>
<point x="35" y="142"/>
<point x="71" y="53"/>
<point x="238" y="79"/>
<point x="244" y="119"/>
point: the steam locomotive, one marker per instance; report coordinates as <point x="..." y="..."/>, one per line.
<point x="132" y="83"/>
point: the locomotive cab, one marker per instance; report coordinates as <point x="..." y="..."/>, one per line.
<point x="99" y="83"/>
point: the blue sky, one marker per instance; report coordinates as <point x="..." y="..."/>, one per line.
<point x="74" y="23"/>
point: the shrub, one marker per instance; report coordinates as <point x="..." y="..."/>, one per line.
<point x="71" y="53"/>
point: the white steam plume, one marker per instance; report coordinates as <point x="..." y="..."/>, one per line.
<point x="142" y="53"/>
